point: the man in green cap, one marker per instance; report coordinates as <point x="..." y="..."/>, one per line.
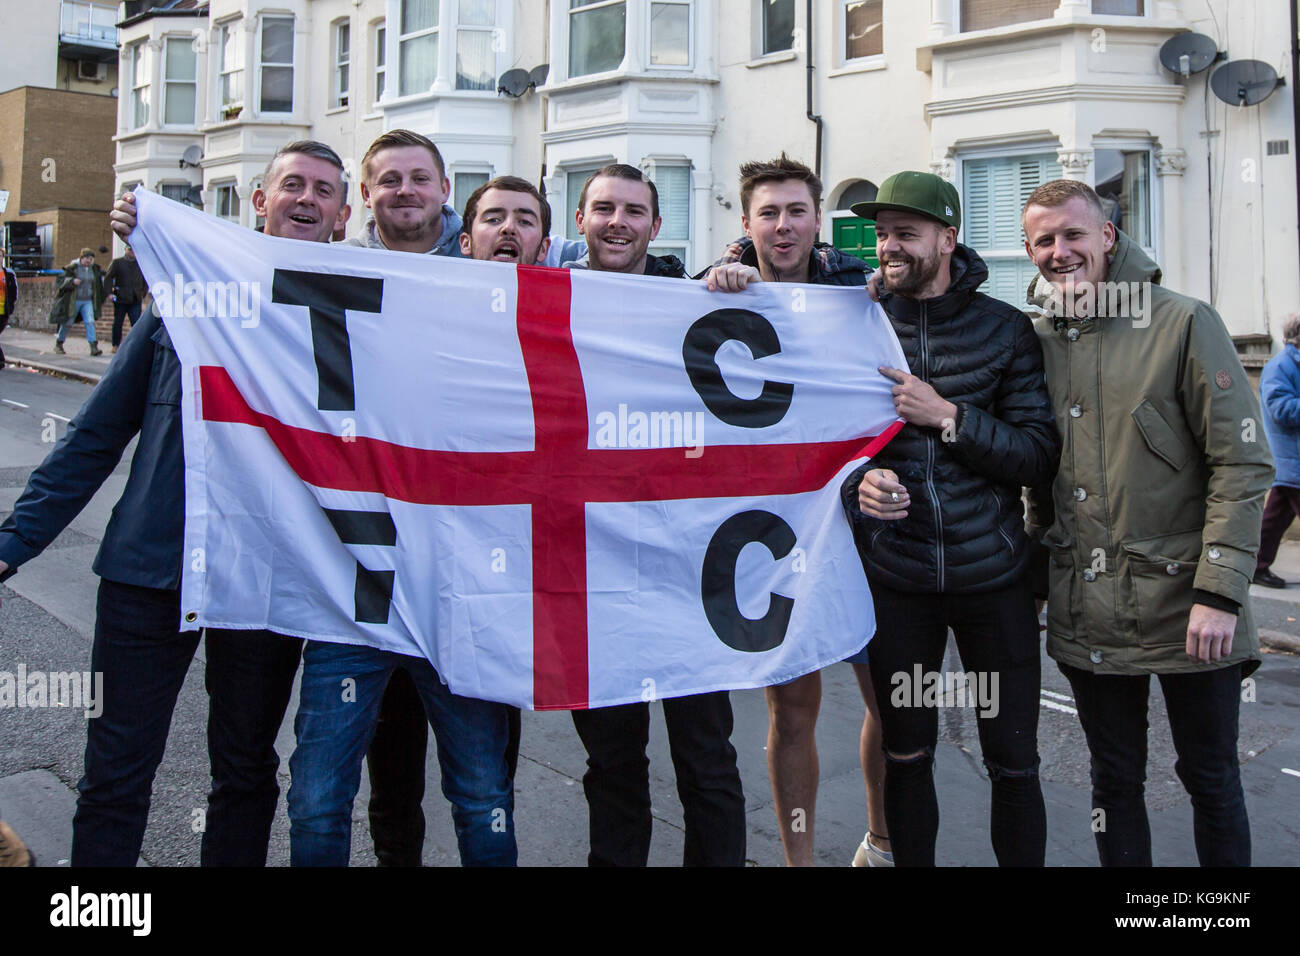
<point x="979" y="426"/>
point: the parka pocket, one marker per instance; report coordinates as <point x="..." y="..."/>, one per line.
<point x="1063" y="590"/>
<point x="1159" y="436"/>
<point x="1160" y="573"/>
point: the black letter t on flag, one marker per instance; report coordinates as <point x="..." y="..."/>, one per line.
<point x="327" y="299"/>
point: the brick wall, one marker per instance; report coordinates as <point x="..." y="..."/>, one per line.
<point x="36" y="295"/>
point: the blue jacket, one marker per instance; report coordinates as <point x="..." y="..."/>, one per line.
<point x="1279" y="393"/>
<point x="141" y="393"/>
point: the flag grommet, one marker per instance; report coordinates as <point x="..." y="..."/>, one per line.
<point x="191" y="617"/>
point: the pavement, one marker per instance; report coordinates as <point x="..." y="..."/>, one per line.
<point x="24" y="348"/>
<point x="47" y="623"/>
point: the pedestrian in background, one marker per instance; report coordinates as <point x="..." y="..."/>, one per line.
<point x="125" y="285"/>
<point x="79" y="295"/>
<point x="1279" y="393"/>
<point x="8" y="298"/>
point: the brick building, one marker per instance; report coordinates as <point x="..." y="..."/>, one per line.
<point x="58" y="77"/>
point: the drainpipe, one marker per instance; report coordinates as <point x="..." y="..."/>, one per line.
<point x="1295" y="103"/>
<point x="815" y="118"/>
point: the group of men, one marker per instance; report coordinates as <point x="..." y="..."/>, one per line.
<point x="1150" y="522"/>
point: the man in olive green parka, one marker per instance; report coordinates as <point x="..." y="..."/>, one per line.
<point x="1152" y="523"/>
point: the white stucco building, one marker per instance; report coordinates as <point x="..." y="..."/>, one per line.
<point x="996" y="95"/>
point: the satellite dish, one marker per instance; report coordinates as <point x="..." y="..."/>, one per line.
<point x="191" y="156"/>
<point x="513" y="82"/>
<point x="1244" y="82"/>
<point x="1188" y="53"/>
<point x="195" y="196"/>
<point x="538" y="74"/>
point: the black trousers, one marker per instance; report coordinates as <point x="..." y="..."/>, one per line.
<point x="396" y="787"/>
<point x="617" y="782"/>
<point x="997" y="638"/>
<point x="1203" y="708"/>
<point x="123" y="310"/>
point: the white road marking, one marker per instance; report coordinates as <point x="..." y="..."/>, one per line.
<point x="1294" y="773"/>
<point x="1054" y="695"/>
<point x="10" y="401"/>
<point x="1053" y="705"/>
<point x="58" y="416"/>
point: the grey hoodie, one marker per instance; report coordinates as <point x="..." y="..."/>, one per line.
<point x="448" y="243"/>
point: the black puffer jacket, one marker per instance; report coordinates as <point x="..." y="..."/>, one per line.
<point x="964" y="531"/>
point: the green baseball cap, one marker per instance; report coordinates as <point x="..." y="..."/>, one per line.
<point x="911" y="191"/>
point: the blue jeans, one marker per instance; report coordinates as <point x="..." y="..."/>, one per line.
<point x="85" y="313"/>
<point x="338" y="710"/>
<point x="144" y="659"/>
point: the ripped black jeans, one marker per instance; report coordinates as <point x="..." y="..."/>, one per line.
<point x="997" y="638"/>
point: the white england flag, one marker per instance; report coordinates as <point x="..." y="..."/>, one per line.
<point x="565" y="489"/>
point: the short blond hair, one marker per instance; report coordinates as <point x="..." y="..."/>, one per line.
<point x="1058" y="192"/>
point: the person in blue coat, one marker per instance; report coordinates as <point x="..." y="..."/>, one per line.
<point x="1279" y="394"/>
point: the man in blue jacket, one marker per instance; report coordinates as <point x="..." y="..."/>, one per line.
<point x="138" y="646"/>
<point x="1279" y="393"/>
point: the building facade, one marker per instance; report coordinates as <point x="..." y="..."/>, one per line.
<point x="995" y="95"/>
<point x="58" y="76"/>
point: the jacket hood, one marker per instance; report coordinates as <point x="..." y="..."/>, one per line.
<point x="1128" y="263"/>
<point x="448" y="243"/>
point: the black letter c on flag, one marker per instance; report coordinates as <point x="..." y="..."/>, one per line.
<point x="699" y="351"/>
<point x="718" y="581"/>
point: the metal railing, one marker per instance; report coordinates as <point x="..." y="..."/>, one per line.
<point x="91" y="22"/>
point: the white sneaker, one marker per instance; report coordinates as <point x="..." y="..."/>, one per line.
<point x="868" y="854"/>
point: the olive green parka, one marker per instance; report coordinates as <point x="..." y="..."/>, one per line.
<point x="1162" y="480"/>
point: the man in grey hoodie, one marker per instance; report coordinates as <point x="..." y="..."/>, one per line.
<point x="404" y="185"/>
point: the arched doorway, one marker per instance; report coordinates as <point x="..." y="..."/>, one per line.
<point x="850" y="233"/>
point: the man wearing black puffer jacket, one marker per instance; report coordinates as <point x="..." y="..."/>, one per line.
<point x="979" y="426"/>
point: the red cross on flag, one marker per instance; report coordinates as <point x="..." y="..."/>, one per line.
<point x="565" y="489"/>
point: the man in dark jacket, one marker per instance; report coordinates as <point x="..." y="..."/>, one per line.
<point x="979" y="426"/>
<point x="618" y="215"/>
<point x="125" y="287"/>
<point x="138" y="644"/>
<point x="780" y="205"/>
<point x="78" y="296"/>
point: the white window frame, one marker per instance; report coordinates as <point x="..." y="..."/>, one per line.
<point x="138" y="53"/>
<point x="229" y="37"/>
<point x="263" y="65"/>
<point x="1156" y="211"/>
<point x="761" y="32"/>
<point x="379" y="52"/>
<point x="574" y="167"/>
<point x="459" y="169"/>
<point x="218" y="188"/>
<point x="568" y="34"/>
<point x="404" y="38"/>
<point x="341" y="64"/>
<point x="842" y="38"/>
<point x="690" y="35"/>
<point x="491" y="29"/>
<point x="661" y="244"/>
<point x="167" y="84"/>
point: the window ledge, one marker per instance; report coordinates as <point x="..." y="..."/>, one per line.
<point x="785" y="56"/>
<point x="337" y="109"/>
<point x="410" y="99"/>
<point x="624" y="76"/>
<point x="1037" y="28"/>
<point x="867" y="64"/>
